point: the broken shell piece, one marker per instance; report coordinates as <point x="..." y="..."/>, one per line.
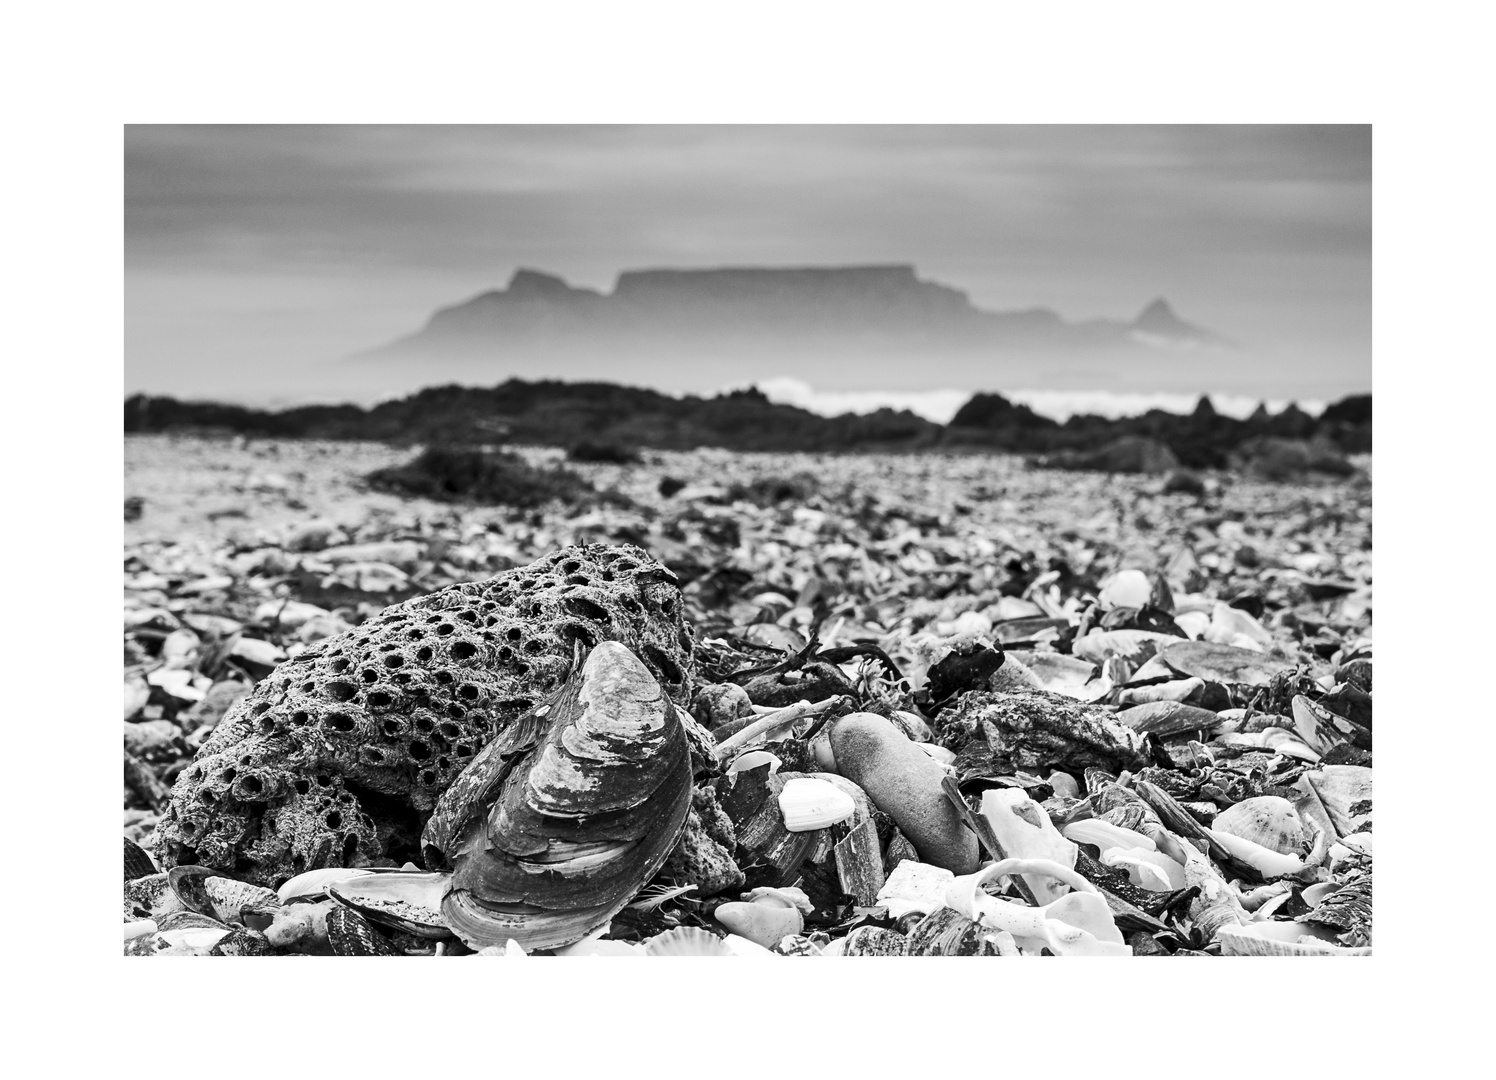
<point x="914" y="887"/>
<point x="1315" y="894"/>
<point x="405" y="901"/>
<point x="1104" y="835"/>
<point x="1151" y="870"/>
<point x="1175" y="690"/>
<point x="1025" y="832"/>
<point x="1215" y="904"/>
<point x="1265" y="861"/>
<point x="789" y="897"/>
<point x="1286" y="743"/>
<point x="808" y="804"/>
<point x="192" y="941"/>
<point x="139" y="928"/>
<point x="511" y="948"/>
<point x="1079" y="923"/>
<point x="1265" y="939"/>
<point x="766" y="921"/>
<point x="754" y="759"/>
<point x="314" y="883"/>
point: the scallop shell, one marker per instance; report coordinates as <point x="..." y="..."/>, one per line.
<point x="555" y="826"/>
<point x="686" y="941"/>
<point x="230" y="897"/>
<point x="1267" y="821"/>
<point x="409" y="902"/>
<point x="808" y="804"/>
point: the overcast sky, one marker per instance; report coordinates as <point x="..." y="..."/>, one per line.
<point x="256" y="255"/>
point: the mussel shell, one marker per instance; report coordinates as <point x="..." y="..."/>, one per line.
<point x="556" y="824"/>
<point x="350" y="934"/>
<point x="409" y="901"/>
<point x="187" y="882"/>
<point x="138" y="864"/>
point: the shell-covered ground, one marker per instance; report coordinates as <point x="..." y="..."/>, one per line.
<point x="240" y="556"/>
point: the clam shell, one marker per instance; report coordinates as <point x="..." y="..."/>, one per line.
<point x="313" y="884"/>
<point x="1267" y="821"/>
<point x="555" y="826"/>
<point x="409" y="902"/>
<point x="808" y="804"/>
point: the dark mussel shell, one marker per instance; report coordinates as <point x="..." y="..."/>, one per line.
<point x="350" y="934"/>
<point x="137" y="863"/>
<point x="559" y="821"/>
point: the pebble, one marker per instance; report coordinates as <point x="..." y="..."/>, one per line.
<point x="905" y="783"/>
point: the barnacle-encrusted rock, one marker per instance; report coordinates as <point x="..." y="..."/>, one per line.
<point x="997" y="734"/>
<point x="340" y="754"/>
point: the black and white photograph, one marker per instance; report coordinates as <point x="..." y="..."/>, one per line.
<point x="769" y="540"/>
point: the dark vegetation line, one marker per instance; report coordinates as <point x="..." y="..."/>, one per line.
<point x="597" y="416"/>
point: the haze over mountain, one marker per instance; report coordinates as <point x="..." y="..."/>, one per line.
<point x="696" y="331"/>
<point x="258" y="257"/>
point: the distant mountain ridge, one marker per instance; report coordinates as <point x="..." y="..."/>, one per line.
<point x="565" y="414"/>
<point x="700" y="327"/>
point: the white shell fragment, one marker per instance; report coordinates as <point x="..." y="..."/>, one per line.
<point x="809" y="804"/>
<point x="1025" y="832"/>
<point x="914" y="886"/>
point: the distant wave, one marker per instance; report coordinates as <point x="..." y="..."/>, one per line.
<point x="941" y="405"/>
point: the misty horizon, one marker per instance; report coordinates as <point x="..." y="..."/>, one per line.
<point x="258" y="258"/>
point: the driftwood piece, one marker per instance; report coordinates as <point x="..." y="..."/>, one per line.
<point x="859" y="863"/>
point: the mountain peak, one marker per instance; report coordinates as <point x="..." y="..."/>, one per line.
<point x="1159" y="322"/>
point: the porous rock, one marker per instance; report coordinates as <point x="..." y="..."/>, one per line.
<point x="338" y="756"/>
<point x="703" y="854"/>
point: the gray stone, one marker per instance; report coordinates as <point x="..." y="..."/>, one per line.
<point x="905" y="783"/>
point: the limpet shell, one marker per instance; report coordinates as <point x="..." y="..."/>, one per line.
<point x="230" y="897"/>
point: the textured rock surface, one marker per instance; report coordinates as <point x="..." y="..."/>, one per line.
<point x="905" y="783"/>
<point x="997" y="734"/>
<point x="338" y="757"/>
<point x="704" y="855"/>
